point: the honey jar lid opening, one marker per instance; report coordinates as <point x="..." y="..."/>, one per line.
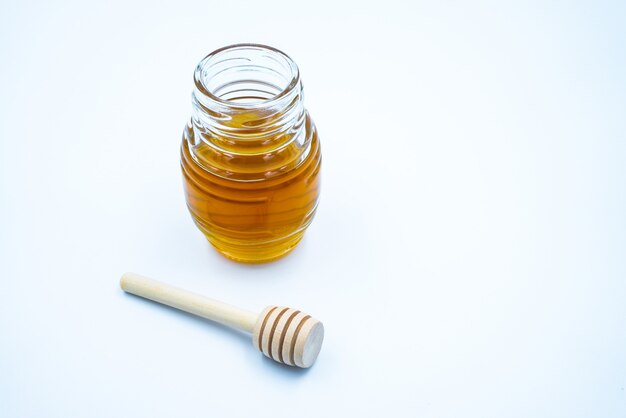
<point x="246" y="76"/>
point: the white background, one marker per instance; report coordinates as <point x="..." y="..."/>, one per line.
<point x="468" y="257"/>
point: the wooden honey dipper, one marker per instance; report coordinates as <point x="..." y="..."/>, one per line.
<point x="283" y="334"/>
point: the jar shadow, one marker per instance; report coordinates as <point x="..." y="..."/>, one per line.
<point x="282" y="262"/>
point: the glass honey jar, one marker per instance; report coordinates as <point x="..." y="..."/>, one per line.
<point x="250" y="154"/>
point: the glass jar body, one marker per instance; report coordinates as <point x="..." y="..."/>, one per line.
<point x="251" y="172"/>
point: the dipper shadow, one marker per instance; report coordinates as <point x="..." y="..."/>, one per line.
<point x="288" y="372"/>
<point x="245" y="338"/>
<point x="272" y="366"/>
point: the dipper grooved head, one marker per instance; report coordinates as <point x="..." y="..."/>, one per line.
<point x="288" y="336"/>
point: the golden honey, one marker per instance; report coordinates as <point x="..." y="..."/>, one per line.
<point x="250" y="154"/>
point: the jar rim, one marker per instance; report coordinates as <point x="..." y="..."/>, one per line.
<point x="199" y="79"/>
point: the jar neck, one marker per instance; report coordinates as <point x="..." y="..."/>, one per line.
<point x="248" y="99"/>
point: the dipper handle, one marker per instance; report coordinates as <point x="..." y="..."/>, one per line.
<point x="283" y="334"/>
<point x="189" y="302"/>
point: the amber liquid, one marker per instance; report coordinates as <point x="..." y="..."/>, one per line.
<point x="252" y="199"/>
